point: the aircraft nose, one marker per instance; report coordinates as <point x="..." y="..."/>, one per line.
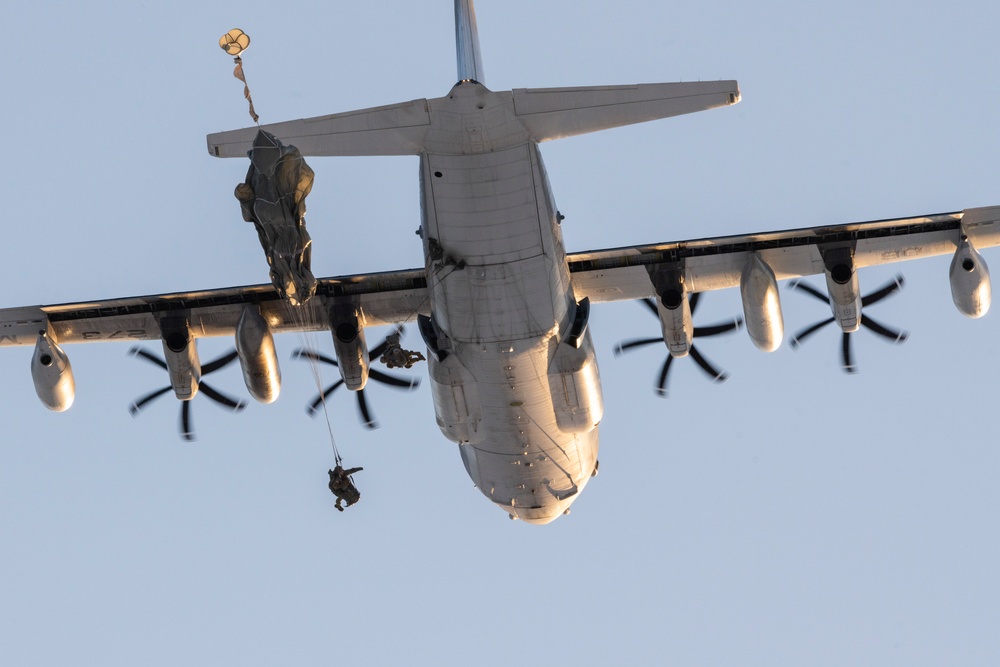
<point x="540" y="519"/>
<point x="539" y="516"/>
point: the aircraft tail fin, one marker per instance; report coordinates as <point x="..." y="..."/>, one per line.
<point x="470" y="62"/>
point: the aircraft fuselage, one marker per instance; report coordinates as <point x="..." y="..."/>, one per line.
<point x="512" y="384"/>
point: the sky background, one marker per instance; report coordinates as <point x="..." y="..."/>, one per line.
<point x="793" y="515"/>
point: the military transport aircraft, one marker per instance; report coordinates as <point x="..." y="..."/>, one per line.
<point x="501" y="306"/>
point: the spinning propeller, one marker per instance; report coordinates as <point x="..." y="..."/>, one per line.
<point x="699" y="332"/>
<point x="373" y="374"/>
<point x="203" y="388"/>
<point x="889" y="288"/>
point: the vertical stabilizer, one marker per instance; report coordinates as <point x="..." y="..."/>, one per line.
<point x="470" y="62"/>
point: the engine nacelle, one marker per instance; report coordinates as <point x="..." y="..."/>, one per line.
<point x="352" y="351"/>
<point x="181" y="355"/>
<point x="842" y="286"/>
<point x="675" y="322"/>
<point x="970" y="281"/>
<point x="673" y="309"/>
<point x="575" y="386"/>
<point x="761" y="304"/>
<point x="52" y="375"/>
<point x="258" y="359"/>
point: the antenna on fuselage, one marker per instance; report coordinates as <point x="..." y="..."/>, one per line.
<point x="470" y="62"/>
<point x="234" y="43"/>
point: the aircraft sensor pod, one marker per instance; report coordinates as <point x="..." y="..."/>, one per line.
<point x="761" y="304"/>
<point x="52" y="374"/>
<point x="258" y="359"/>
<point x="970" y="281"/>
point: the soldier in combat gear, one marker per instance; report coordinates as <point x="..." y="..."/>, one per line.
<point x="397" y="357"/>
<point x="342" y="487"/>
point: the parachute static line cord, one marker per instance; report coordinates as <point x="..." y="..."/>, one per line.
<point x="314" y="365"/>
<point x="427" y="296"/>
<point x="305" y="339"/>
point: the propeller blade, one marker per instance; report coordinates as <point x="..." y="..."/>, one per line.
<point x="363" y="408"/>
<point x="848" y="364"/>
<point x="222" y="361"/>
<point x="392" y="381"/>
<point x="697" y="332"/>
<point x="315" y="356"/>
<point x="651" y="305"/>
<point x="693" y="301"/>
<point x="148" y="356"/>
<point x="638" y="342"/>
<point x="805" y="333"/>
<point x="138" y="405"/>
<point x="882" y="330"/>
<point x="373" y="374"/>
<point x="716" y="329"/>
<point x="717" y="375"/>
<point x="314" y="406"/>
<point x="377" y="351"/>
<point x="891" y="287"/>
<point x="661" y="388"/>
<point x="221" y="398"/>
<point x="809" y="289"/>
<point x="846" y="353"/>
<point x="186" y="431"/>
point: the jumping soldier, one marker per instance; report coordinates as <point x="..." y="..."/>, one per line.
<point x="342" y="487"/>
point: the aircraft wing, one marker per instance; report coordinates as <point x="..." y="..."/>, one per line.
<point x="717" y="263"/>
<point x="382" y="298"/>
<point x="603" y="275"/>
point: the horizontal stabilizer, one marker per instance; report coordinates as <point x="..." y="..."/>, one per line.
<point x="397" y="129"/>
<point x="553" y="113"/>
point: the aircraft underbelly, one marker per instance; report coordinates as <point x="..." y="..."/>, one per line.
<point x="521" y="460"/>
<point x="496" y="272"/>
<point x="485" y="207"/>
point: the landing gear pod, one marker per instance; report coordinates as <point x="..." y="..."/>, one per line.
<point x="761" y="304"/>
<point x="575" y="386"/>
<point x="970" y="281"/>
<point x="52" y="374"/>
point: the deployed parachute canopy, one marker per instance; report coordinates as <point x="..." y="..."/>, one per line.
<point x="234" y="43"/>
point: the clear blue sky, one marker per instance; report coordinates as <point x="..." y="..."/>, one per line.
<point x="794" y="515"/>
